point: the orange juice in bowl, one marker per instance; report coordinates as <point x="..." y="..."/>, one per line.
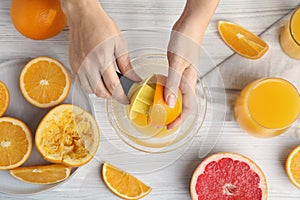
<point x="267" y="107"/>
<point x="290" y="36"/>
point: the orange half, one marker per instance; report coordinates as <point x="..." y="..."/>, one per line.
<point x="68" y="135"/>
<point x="15" y="143"/>
<point x="45" y="82"/>
<point x="242" y="41"/>
<point x="292" y="167"/>
<point x="4" y="98"/>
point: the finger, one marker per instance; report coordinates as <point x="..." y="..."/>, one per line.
<point x="100" y="90"/>
<point x="89" y="69"/>
<point x="176" y="67"/>
<point x="113" y="85"/>
<point x="84" y="83"/>
<point x="187" y="88"/>
<point x="126" y="69"/>
<point x="123" y="60"/>
<point x="186" y="110"/>
<point x="176" y="123"/>
<point x="189" y="79"/>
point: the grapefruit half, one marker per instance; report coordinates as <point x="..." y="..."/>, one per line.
<point x="228" y="176"/>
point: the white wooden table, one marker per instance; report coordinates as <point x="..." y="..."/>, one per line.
<point x="173" y="182"/>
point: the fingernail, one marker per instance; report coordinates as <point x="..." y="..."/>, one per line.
<point x="171" y="100"/>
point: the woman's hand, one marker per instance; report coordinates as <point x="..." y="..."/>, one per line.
<point x="184" y="53"/>
<point x="95" y="44"/>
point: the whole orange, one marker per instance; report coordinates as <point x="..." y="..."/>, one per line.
<point x="37" y="19"/>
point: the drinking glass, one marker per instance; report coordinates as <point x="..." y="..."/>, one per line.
<point x="267" y="107"/>
<point x="290" y="36"/>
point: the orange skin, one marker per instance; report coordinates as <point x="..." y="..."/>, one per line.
<point x="7" y="100"/>
<point x="36" y="19"/>
<point x="288" y="167"/>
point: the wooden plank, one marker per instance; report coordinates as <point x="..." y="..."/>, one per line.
<point x="173" y="181"/>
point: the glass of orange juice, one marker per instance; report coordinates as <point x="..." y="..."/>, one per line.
<point x="267" y="107"/>
<point x="290" y="36"/>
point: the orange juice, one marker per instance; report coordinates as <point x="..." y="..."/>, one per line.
<point x="290" y="36"/>
<point x="267" y="107"/>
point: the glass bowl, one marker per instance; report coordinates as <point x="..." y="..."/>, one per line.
<point x="153" y="141"/>
<point x="123" y="146"/>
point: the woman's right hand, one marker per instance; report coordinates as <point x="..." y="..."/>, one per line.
<point x="184" y="54"/>
<point x="95" y="44"/>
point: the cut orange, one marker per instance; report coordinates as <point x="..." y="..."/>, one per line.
<point x="45" y="174"/>
<point x="292" y="167"/>
<point x="15" y="143"/>
<point x="67" y="134"/>
<point x="123" y="184"/>
<point x="160" y="113"/>
<point x="45" y="82"/>
<point x="242" y="41"/>
<point x="4" y="98"/>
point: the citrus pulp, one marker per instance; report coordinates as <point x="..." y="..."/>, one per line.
<point x="15" y="143"/>
<point x="4" y="98"/>
<point x="67" y="134"/>
<point x="292" y="166"/>
<point x="45" y="82"/>
<point x="228" y="176"/>
<point x="44" y="174"/>
<point x="123" y="184"/>
<point x="242" y="41"/>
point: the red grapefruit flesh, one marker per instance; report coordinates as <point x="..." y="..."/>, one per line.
<point x="228" y="176"/>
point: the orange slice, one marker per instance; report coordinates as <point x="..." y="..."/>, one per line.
<point x="160" y="113"/>
<point x="67" y="134"/>
<point x="123" y="184"/>
<point x="45" y="174"/>
<point x="292" y="167"/>
<point x="4" y="98"/>
<point x="45" y="82"/>
<point x="15" y="143"/>
<point x="242" y="41"/>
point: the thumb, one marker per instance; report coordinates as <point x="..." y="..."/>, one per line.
<point x="172" y="83"/>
